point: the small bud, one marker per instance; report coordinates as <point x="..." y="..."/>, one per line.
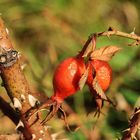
<point x="32" y="100"/>
<point x="17" y="103"/>
<point x="20" y="124"/>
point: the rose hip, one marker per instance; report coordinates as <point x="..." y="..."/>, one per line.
<point x="66" y="78"/>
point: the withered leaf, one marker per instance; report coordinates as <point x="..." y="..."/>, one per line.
<point x="83" y="78"/>
<point x="98" y="89"/>
<point x="105" y="53"/>
<point x="90" y="48"/>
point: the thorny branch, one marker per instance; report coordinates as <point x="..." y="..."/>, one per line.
<point x="111" y="31"/>
<point x="18" y="90"/>
<point x="129" y="134"/>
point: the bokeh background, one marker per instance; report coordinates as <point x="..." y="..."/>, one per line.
<point x="48" y="31"/>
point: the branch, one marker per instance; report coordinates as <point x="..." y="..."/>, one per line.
<point x="18" y="89"/>
<point x="112" y="31"/>
<point x="129" y="133"/>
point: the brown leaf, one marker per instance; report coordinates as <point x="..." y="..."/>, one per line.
<point x="98" y="89"/>
<point x="90" y="48"/>
<point x="105" y="53"/>
<point x="83" y="78"/>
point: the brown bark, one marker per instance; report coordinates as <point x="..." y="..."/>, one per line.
<point x="18" y="90"/>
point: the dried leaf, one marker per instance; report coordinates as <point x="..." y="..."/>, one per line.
<point x="83" y="78"/>
<point x="105" y="53"/>
<point x="90" y="48"/>
<point x="98" y="89"/>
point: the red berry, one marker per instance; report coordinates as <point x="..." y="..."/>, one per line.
<point x="103" y="74"/>
<point x="66" y="78"/>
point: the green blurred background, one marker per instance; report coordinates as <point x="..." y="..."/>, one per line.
<point x="47" y="31"/>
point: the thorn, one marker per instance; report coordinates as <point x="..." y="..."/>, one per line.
<point x="133" y="137"/>
<point x="17" y="104"/>
<point x="7" y="31"/>
<point x="33" y="136"/>
<point x="23" y="66"/>
<point x="22" y="97"/>
<point x="32" y="100"/>
<point x="41" y="132"/>
<point x="20" y="124"/>
<point x="133" y="32"/>
<point x="138" y="111"/>
<point x="19" y="54"/>
<point x="111" y="29"/>
<point x="55" y="135"/>
<point x="128" y="129"/>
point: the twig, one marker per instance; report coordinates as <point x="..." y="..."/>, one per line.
<point x="18" y="89"/>
<point x="112" y="31"/>
<point x="129" y="134"/>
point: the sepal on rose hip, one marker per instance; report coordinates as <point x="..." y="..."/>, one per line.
<point x="105" y="53"/>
